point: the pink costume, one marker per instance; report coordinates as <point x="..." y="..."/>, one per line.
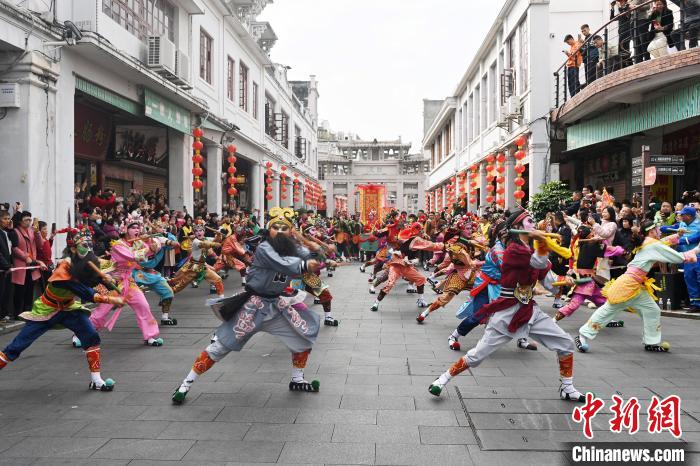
<point x="126" y="258"/>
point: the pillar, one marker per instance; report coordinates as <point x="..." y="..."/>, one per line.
<point x="180" y="191"/>
<point x="351" y="199"/>
<point x="330" y="199"/>
<point x="400" y="201"/>
<point x="482" y="183"/>
<point x="510" y="179"/>
<point x="214" y="162"/>
<point x="275" y="190"/>
<point x="257" y="187"/>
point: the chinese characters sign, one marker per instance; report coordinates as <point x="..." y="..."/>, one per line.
<point x="93" y="132"/>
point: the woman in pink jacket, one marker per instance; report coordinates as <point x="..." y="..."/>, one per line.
<point x="26" y="242"/>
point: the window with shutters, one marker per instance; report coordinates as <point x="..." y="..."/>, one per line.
<point x="229" y="78"/>
<point x="142" y="18"/>
<point x="270" y="128"/>
<point x="243" y="86"/>
<point x="205" y="42"/>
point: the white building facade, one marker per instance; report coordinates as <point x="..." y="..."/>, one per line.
<point x="504" y="94"/>
<point x="116" y="107"/>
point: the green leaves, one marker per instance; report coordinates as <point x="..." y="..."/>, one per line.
<point x="549" y="199"/>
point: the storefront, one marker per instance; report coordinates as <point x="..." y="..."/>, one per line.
<point x="602" y="165"/>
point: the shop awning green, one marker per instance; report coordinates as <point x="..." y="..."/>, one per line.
<point x="164" y="111"/>
<point x="110" y="97"/>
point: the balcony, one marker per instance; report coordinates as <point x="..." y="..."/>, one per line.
<point x="629" y="70"/>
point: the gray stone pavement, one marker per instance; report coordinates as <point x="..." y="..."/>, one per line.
<point x="373" y="408"/>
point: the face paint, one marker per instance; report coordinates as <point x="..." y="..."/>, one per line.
<point x="279" y="228"/>
<point x="83" y="248"/>
<point x="133" y="231"/>
<point x="528" y="224"/>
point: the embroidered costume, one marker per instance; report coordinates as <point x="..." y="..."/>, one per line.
<point x="196" y="267"/>
<point x="265" y="307"/>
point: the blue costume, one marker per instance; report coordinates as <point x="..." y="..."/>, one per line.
<point x="148" y="276"/>
<point x="486" y="288"/>
<point x="691" y="271"/>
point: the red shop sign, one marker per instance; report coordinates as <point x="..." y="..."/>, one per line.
<point x="93" y="132"/>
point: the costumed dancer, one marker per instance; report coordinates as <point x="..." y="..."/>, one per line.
<point x="312" y="281"/>
<point x="402" y="265"/>
<point x="262" y="307"/>
<point x="196" y="267"/>
<point x="486" y="288"/>
<point x="634" y="290"/>
<point x="147" y="276"/>
<point x="588" y="250"/>
<point x="126" y="254"/>
<point x="515" y="314"/>
<point x="74" y="277"/>
<point x="461" y="273"/>
<point x="233" y="256"/>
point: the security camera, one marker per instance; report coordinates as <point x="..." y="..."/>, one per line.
<point x="71" y="33"/>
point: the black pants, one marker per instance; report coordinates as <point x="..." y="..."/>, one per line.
<point x="572" y="81"/>
<point x="24" y="295"/>
<point x="6" y="289"/>
<point x="590" y="67"/>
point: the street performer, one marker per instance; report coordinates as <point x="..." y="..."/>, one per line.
<point x="196" y="267"/>
<point x="74" y="277"/>
<point x="515" y="314"/>
<point x="233" y="255"/>
<point x="264" y="306"/>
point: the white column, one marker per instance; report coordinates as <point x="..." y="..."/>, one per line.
<point x="214" y="184"/>
<point x="180" y="191"/>
<point x="351" y="199"/>
<point x="257" y="187"/>
<point x="400" y="201"/>
<point x="482" y="183"/>
<point x="330" y="199"/>
<point x="275" y="190"/>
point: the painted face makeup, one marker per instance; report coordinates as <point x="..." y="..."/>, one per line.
<point x="133" y="231"/>
<point x="83" y="248"/>
<point x="528" y="224"/>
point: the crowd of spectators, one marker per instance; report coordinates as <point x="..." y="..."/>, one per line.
<point x="645" y="30"/>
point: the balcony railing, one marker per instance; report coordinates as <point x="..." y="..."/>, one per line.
<point x="639" y="38"/>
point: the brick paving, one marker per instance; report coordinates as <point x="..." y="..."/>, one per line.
<point x="373" y="407"/>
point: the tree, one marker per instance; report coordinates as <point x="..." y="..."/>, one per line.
<point x="549" y="199"/>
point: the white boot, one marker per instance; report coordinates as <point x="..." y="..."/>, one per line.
<point x="568" y="392"/>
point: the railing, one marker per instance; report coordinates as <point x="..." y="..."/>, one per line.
<point x="637" y="40"/>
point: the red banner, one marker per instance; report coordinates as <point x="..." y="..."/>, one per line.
<point x="93" y="133"/>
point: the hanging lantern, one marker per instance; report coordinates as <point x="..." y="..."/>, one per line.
<point x="283" y="183"/>
<point x="519" y="156"/>
<point x="295" y="189"/>
<point x="231" y="170"/>
<point x="269" y="180"/>
<point x="197" y="159"/>
<point x="489" y="199"/>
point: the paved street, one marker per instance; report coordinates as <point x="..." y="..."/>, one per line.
<point x="373" y="408"/>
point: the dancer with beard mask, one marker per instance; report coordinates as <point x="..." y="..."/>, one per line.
<point x="73" y="278"/>
<point x="515" y="314"/>
<point x="265" y="306"/>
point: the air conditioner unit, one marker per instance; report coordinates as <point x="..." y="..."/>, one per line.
<point x="182" y="66"/>
<point x="161" y="54"/>
<point x="513" y="107"/>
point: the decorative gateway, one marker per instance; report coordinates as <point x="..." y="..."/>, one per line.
<point x="372" y="198"/>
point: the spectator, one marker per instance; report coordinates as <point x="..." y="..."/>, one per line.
<point x="572" y="64"/>
<point x="660" y="27"/>
<point x="575" y="204"/>
<point x="45" y="253"/>
<point x="5" y="265"/>
<point x="589" y="54"/>
<point x="605" y="66"/>
<point x="689" y="232"/>
<point x="624" y="30"/>
<point x="26" y="242"/>
<point x="665" y="216"/>
<point x="102" y="200"/>
<point x="641" y="24"/>
<point x="690" y="21"/>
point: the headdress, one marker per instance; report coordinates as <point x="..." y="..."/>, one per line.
<point x="517" y="217"/>
<point x="134" y="218"/>
<point x="282" y="215"/>
<point x="410" y="232"/>
<point x="75" y="236"/>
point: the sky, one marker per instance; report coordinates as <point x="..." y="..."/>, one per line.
<point x="376" y="60"/>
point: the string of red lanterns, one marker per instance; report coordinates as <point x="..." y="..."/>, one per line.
<point x="463" y="189"/>
<point x="295" y="190"/>
<point x="283" y="183"/>
<point x="268" y="181"/>
<point x="490" y="176"/>
<point x="473" y="174"/>
<point x="232" y="191"/>
<point x="519" y="155"/>
<point x="501" y="179"/>
<point x="197" y="159"/>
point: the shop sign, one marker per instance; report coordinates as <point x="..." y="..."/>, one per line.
<point x="147" y="145"/>
<point x="649" y="176"/>
<point x="108" y="96"/>
<point x="93" y="132"/>
<point x="672" y="170"/>
<point x="667" y="159"/>
<point x="165" y="111"/>
<point x="636" y="181"/>
<point x="637" y="161"/>
<point x="637" y="171"/>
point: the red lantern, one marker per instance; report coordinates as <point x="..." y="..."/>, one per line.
<point x="520" y="155"/>
<point x="472" y="200"/>
<point x="198" y="158"/>
<point x="501" y="190"/>
<point x="500" y="169"/>
<point x="519" y="195"/>
<point x="197" y="184"/>
<point x="268" y="197"/>
<point x="490" y="178"/>
<point x="197" y="132"/>
<point x="490" y="158"/>
<point x="489" y="199"/>
<point x="500" y="179"/>
<point x="519" y="182"/>
<point x="520" y="169"/>
<point x="489" y="187"/>
<point x="231" y="170"/>
<point x="231" y="159"/>
<point x="232" y="191"/>
<point x="197" y="171"/>
<point x="197" y="145"/>
<point x="521" y="141"/>
<point x="231" y="149"/>
<point x="501" y="158"/>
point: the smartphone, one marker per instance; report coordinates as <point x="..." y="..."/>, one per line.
<point x="53" y="229"/>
